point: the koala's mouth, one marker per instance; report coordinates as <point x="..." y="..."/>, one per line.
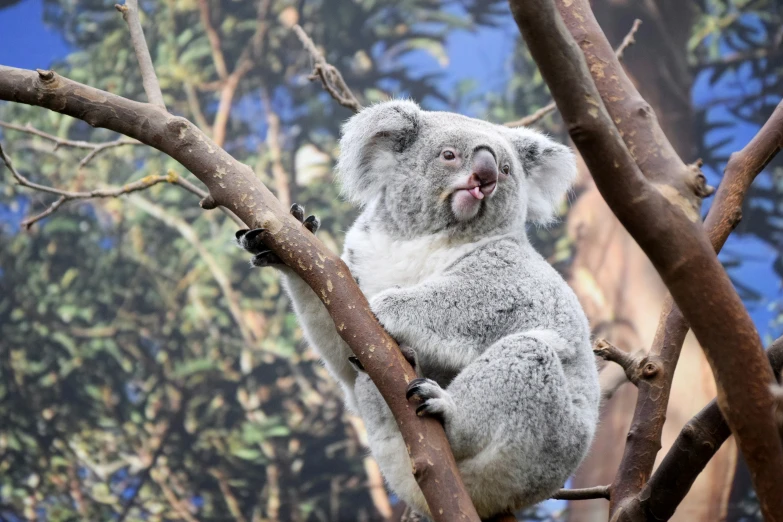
<point x="466" y="199"/>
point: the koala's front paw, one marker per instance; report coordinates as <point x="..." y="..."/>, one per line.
<point x="436" y="402"/>
<point x="251" y="240"/>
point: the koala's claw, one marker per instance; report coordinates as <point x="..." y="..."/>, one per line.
<point x="265" y="258"/>
<point x="312" y="224"/>
<point x="297" y="211"/>
<point x="357" y="364"/>
<point x="250" y="240"/>
<point x="436" y="402"/>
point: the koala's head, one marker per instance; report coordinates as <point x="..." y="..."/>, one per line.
<point x="426" y="172"/>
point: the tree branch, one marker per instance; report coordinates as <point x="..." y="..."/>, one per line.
<point x="214" y="40"/>
<point x="658" y="209"/>
<point x="236" y="186"/>
<point x="113" y="192"/>
<point x="530" y="119"/>
<point x="130" y="13"/>
<point x="243" y="66"/>
<point x="724" y="215"/>
<point x="697" y="443"/>
<point x="635" y="120"/>
<point x="95" y="148"/>
<point x="331" y="79"/>
<point x="583" y="493"/>
<point x="609" y="352"/>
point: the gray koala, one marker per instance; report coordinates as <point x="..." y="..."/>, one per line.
<point x="499" y="340"/>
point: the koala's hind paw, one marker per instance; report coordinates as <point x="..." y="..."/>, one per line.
<point x="436" y="402"/>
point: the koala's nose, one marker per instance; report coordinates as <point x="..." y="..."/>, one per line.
<point x="484" y="168"/>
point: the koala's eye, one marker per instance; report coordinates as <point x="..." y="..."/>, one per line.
<point x="448" y="155"/>
<point x="506" y="170"/>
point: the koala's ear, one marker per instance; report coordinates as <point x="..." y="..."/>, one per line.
<point x="369" y="143"/>
<point x="550" y="169"/>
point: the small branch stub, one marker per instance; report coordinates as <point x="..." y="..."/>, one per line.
<point x="583" y="493"/>
<point x="45" y="75"/>
<point x="208" y="203"/>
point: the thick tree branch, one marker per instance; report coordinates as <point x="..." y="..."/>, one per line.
<point x="583" y="493"/>
<point x="236" y="186"/>
<point x="697" y="443"/>
<point x="660" y="215"/>
<point x="724" y="215"/>
<point x="632" y="115"/>
<point x="331" y="79"/>
<point x="130" y="13"/>
<point x="628" y="41"/>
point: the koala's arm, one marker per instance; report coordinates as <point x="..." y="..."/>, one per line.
<point x="320" y="331"/>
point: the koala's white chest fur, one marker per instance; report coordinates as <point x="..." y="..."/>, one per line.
<point x="380" y="262"/>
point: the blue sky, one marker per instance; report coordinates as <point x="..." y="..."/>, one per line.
<point x="483" y="56"/>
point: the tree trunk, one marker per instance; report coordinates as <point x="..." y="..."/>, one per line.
<point x="618" y="287"/>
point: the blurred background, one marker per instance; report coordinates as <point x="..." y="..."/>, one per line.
<point x="147" y="374"/>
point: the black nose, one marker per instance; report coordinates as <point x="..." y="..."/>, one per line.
<point x="484" y="167"/>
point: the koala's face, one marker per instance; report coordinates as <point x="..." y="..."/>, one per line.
<point x="427" y="172"/>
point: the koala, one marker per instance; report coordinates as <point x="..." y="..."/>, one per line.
<point x="500" y="344"/>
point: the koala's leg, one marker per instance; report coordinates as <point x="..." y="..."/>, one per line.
<point x="387" y="445"/>
<point x="316" y="323"/>
<point x="515" y="425"/>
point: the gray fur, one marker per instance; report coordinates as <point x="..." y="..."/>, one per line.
<point x="497" y="331"/>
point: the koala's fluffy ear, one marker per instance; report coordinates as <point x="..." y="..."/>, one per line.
<point x="370" y="141"/>
<point x="550" y="170"/>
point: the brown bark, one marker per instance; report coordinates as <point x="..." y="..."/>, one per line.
<point x="617" y="284"/>
<point x="701" y="437"/>
<point x="658" y="213"/>
<point x="234" y="185"/>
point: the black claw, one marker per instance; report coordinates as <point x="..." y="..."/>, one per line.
<point x="297" y="211"/>
<point x="422" y="411"/>
<point x="312" y="223"/>
<point x="250" y="235"/>
<point x="265" y="258"/>
<point x="413" y="388"/>
<point x="357" y="364"/>
<point x="241" y="233"/>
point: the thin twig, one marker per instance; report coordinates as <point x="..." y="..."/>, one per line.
<point x="111" y="192"/>
<point x="331" y="79"/>
<point x="95" y="148"/>
<point x="66" y="195"/>
<point x="279" y="174"/>
<point x="628" y="41"/>
<point x="243" y="66"/>
<point x="130" y="13"/>
<point x="583" y="493"/>
<point x="214" y="40"/>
